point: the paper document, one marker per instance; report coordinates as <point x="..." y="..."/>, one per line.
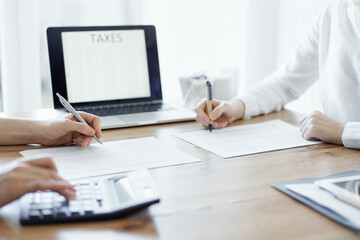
<point x="326" y="199"/>
<point x="247" y="139"/>
<point x="112" y="157"/>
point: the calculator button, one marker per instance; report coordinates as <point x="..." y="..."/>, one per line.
<point x="37" y="198"/>
<point x="47" y="213"/>
<point x="85" y="192"/>
<point x="46" y="195"/>
<point x="75" y="213"/>
<point x="86" y="197"/>
<point x="74" y="204"/>
<point x="88" y="208"/>
<point x="60" y="199"/>
<point x="98" y="197"/>
<point x="99" y="203"/>
<point x="88" y="212"/>
<point x="34" y="213"/>
<point x="85" y="187"/>
<point x="62" y="212"/>
<point x="84" y="182"/>
<point x="35" y="206"/>
<point x="88" y="202"/>
<point x="47" y="200"/>
<point x="58" y="204"/>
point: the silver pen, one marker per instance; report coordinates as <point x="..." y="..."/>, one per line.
<point x="68" y="107"/>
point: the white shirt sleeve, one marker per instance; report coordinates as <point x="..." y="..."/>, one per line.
<point x="351" y="135"/>
<point x="287" y="83"/>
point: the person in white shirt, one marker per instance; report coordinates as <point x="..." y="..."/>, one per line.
<point x="329" y="54"/>
<point x="22" y="176"/>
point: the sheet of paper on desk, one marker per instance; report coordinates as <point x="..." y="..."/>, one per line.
<point x="247" y="139"/>
<point x="112" y="157"/>
<point x="326" y="199"/>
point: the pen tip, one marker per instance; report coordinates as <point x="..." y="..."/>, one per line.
<point x="210" y="127"/>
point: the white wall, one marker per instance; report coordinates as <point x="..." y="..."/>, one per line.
<point x="254" y="36"/>
<point x="20" y="55"/>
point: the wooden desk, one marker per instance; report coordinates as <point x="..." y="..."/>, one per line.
<point x="213" y="199"/>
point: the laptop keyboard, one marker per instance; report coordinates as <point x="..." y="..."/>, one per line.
<point x="124" y="109"/>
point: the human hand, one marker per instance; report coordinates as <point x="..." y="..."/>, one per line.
<point x="23" y="176"/>
<point x="68" y="130"/>
<point x="318" y="126"/>
<point x="223" y="113"/>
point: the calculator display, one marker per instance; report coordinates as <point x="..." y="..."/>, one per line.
<point x="124" y="190"/>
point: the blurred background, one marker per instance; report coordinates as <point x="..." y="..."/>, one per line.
<point x="250" y="37"/>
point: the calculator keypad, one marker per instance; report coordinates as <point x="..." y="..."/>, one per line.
<point x="46" y="204"/>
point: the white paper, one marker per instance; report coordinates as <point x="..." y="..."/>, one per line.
<point x="326" y="199"/>
<point x="112" y="157"/>
<point x="248" y="139"/>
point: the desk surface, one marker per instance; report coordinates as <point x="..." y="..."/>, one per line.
<point x="213" y="199"/>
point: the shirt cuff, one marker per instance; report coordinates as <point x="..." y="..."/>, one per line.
<point x="251" y="106"/>
<point x="351" y="135"/>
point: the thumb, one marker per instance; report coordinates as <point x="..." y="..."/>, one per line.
<point x="82" y="128"/>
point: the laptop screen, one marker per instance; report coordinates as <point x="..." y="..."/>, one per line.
<point x="105" y="65"/>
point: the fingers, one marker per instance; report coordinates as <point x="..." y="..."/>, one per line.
<point x="302" y="119"/>
<point x="72" y="126"/>
<point x="218" y="111"/>
<point x="39" y="178"/>
<point x="32" y="175"/>
<point x="60" y="186"/>
<point x="83" y="133"/>
<point x="220" y="124"/>
<point x="26" y="168"/>
<point x="308" y="125"/>
<point x="82" y="141"/>
<point x="42" y="162"/>
<point x="308" y="116"/>
<point x="201" y="116"/>
<point x="93" y="121"/>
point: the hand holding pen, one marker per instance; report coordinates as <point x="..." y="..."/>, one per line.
<point x="221" y="112"/>
<point x="95" y="121"/>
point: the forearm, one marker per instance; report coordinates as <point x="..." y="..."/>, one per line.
<point x="19" y="131"/>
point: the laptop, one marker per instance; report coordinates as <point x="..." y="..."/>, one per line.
<point x="112" y="72"/>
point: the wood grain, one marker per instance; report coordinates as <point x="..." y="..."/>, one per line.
<point x="213" y="199"/>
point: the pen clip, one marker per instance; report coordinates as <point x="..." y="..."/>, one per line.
<point x="61" y="100"/>
<point x="65" y="104"/>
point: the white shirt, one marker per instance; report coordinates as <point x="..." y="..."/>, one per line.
<point x="329" y="54"/>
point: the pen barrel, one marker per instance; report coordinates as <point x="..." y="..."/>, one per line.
<point x="208" y="104"/>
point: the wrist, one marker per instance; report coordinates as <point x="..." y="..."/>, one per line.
<point x="339" y="133"/>
<point x="238" y="108"/>
<point x="35" y="132"/>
